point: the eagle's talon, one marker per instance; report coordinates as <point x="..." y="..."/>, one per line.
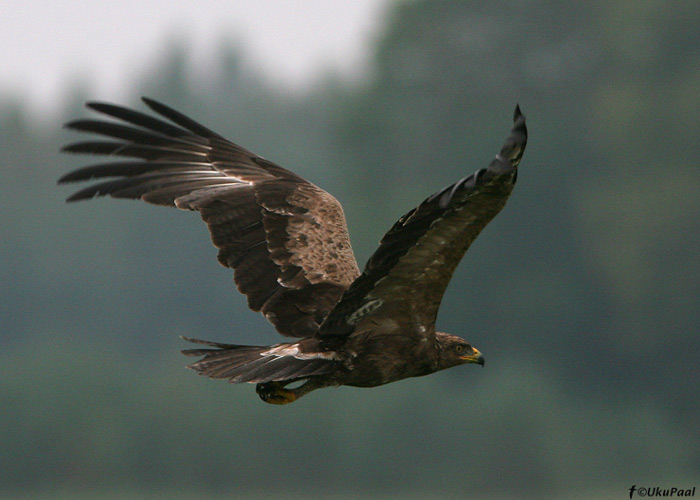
<point x="275" y="393"/>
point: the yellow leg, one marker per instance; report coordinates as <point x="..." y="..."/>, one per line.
<point x="275" y="393"/>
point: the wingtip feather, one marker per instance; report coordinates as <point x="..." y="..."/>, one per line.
<point x="517" y="113"/>
<point x="158" y="107"/>
<point x="64" y="179"/>
<point x="519" y="130"/>
<point x="95" y="105"/>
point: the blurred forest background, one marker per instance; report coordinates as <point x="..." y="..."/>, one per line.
<point x="583" y="294"/>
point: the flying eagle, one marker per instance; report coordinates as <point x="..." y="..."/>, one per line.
<point x="287" y="243"/>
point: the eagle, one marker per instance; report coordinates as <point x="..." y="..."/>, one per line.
<point x="287" y="242"/>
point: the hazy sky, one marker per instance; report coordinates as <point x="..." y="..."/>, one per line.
<point x="46" y="45"/>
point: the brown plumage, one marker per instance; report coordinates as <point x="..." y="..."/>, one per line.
<point x="287" y="243"/>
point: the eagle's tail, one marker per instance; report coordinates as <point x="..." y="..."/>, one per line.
<point x="257" y="364"/>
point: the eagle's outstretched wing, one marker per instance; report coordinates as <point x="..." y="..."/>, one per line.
<point x="285" y="238"/>
<point x="409" y="272"/>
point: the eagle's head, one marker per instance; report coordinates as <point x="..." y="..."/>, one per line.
<point x="453" y="351"/>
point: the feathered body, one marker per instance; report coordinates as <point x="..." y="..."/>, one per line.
<point x="287" y="243"/>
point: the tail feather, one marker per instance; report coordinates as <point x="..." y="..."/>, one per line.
<point x="258" y="364"/>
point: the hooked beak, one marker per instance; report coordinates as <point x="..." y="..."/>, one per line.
<point x="474" y="358"/>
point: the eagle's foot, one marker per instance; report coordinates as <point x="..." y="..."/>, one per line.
<point x="275" y="393"/>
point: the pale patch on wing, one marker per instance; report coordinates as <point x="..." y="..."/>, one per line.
<point x="363" y="311"/>
<point x="283" y="350"/>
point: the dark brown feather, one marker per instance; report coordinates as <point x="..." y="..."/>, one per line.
<point x="285" y="238"/>
<point x="409" y="272"/>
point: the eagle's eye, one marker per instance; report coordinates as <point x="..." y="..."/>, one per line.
<point x="459" y="348"/>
